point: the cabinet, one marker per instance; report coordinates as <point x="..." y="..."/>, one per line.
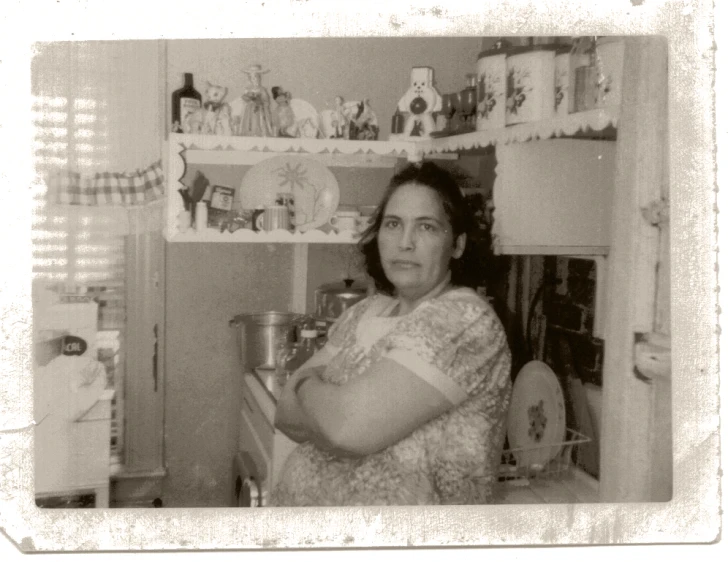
<point x="546" y="204"/>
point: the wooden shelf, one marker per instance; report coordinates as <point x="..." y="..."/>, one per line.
<point x="274" y="236"/>
<point x="575" y="124"/>
<point x="392" y="149"/>
<point x="198" y="147"/>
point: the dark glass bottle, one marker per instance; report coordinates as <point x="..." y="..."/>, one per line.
<point x="397" y="122"/>
<point x="186" y="100"/>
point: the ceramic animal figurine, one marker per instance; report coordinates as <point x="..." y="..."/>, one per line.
<point x="420" y="102"/>
<point x="284" y="120"/>
<point x="363" y="123"/>
<point x="217" y="111"/>
<point x="335" y="122"/>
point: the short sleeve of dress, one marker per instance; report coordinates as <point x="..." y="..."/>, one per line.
<point x="456" y="343"/>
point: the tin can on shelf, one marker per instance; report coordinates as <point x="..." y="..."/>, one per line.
<point x="530" y="85"/>
<point x="491" y="86"/>
<point x="609" y="69"/>
<point x="582" y="82"/>
<point x="562" y="93"/>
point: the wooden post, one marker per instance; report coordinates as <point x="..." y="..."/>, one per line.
<point x="636" y="456"/>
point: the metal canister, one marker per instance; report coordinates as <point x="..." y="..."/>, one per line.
<point x="530" y="85"/>
<point x="261" y="334"/>
<point x="491" y="86"/>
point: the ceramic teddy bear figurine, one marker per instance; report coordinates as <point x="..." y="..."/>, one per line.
<point x="217" y="111"/>
<point x="420" y="102"/>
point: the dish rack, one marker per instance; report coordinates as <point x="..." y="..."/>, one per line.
<point x="515" y="462"/>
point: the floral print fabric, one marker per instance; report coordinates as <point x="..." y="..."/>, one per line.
<point x="454" y="458"/>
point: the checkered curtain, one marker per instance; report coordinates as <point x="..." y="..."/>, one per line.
<point x="108" y="188"/>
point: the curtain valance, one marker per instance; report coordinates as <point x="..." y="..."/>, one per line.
<point x="108" y="188"/>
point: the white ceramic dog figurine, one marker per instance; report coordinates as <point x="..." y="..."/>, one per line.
<point x="420" y="102"/>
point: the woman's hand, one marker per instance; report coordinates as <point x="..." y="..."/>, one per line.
<point x="289" y="417"/>
<point x="293" y="421"/>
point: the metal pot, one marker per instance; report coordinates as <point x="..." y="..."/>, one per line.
<point x="261" y="334"/>
<point x="332" y="299"/>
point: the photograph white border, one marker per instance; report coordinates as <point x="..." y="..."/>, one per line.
<point x="693" y="514"/>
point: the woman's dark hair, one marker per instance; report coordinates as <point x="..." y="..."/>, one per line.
<point x="470" y="269"/>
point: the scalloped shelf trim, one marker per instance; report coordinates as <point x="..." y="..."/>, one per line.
<point x="294" y="146"/>
<point x="594" y="120"/>
<point x="314" y="236"/>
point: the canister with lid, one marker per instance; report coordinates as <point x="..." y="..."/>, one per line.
<point x="582" y="75"/>
<point x="491" y="83"/>
<point x="609" y="68"/>
<point x="529" y="84"/>
<point x="562" y="93"/>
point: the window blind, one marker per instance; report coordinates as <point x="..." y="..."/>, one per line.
<point x="79" y="246"/>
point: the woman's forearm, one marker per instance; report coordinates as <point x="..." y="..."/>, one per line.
<point x="310" y="409"/>
<point x="322" y="409"/>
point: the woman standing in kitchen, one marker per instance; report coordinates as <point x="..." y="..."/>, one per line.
<point x="406" y="403"/>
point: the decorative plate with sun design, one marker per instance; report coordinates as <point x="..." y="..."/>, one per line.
<point x="314" y="188"/>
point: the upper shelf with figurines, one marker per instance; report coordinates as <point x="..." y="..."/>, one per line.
<point x="228" y="148"/>
<point x="517" y="94"/>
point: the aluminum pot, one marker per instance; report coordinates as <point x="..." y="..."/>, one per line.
<point x="261" y="334"/>
<point x="332" y="299"/>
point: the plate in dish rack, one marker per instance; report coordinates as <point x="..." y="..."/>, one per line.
<point x="536" y="416"/>
<point x="315" y="189"/>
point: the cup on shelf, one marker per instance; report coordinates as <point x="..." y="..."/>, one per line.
<point x="274" y="217"/>
<point x="256" y="221"/>
<point x="344" y="221"/>
<point x="287" y="199"/>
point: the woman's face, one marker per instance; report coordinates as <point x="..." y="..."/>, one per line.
<point x="416" y="241"/>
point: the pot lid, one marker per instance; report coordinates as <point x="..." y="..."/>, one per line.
<point x="347" y="286"/>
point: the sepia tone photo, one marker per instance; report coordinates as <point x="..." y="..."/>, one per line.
<point x="352" y="272"/>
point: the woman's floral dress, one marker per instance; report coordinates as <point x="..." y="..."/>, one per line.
<point x="456" y="342"/>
